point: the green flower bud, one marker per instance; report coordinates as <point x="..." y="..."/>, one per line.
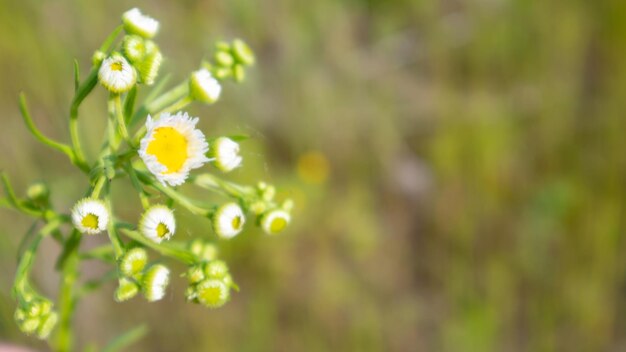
<point x="242" y="52"/>
<point x="191" y="294"/>
<point x="38" y="192"/>
<point x="28" y="326"/>
<point x="275" y="221"/>
<point x="155" y="282"/>
<point x="196" y="247"/>
<point x="133" y="261"/>
<point x="224" y="59"/>
<point x="287" y="205"/>
<point x="209" y="251"/>
<point x="258" y="207"/>
<point x="46" y="325"/>
<point x="204" y="87"/>
<point x="268" y="193"/>
<point x="195" y="274"/>
<point x="222" y="73"/>
<point x="239" y="73"/>
<point x="134" y="48"/>
<point x="216" y="269"/>
<point x="222" y="45"/>
<point x="97" y="58"/>
<point x="149" y="67"/>
<point x="212" y="293"/>
<point x="126" y="290"/>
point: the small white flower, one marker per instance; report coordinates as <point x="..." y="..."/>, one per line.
<point x="204" y="87"/>
<point x="116" y="74"/>
<point x="172" y="147"/>
<point x="212" y="293"/>
<point x="228" y="220"/>
<point x="133" y="261"/>
<point x="90" y="216"/>
<point x="155" y="282"/>
<point x="158" y="223"/>
<point x="225" y="152"/>
<point x="275" y="221"/>
<point x="126" y="290"/>
<point x="137" y="23"/>
<point x="134" y="48"/>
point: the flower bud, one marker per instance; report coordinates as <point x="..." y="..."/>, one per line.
<point x="242" y="52"/>
<point x="134" y="48"/>
<point x="28" y="326"/>
<point x="155" y="282"/>
<point x="212" y="293"/>
<point x="149" y="67"/>
<point x="228" y="220"/>
<point x="224" y="58"/>
<point x="137" y="23"/>
<point x="195" y="274"/>
<point x="204" y="87"/>
<point x="216" y="269"/>
<point x="225" y="153"/>
<point x="46" y="325"/>
<point x="133" y="261"/>
<point x="275" y="221"/>
<point x="116" y="74"/>
<point x="239" y="73"/>
<point x="158" y="223"/>
<point x="126" y="290"/>
<point x="38" y="192"/>
<point x="97" y="58"/>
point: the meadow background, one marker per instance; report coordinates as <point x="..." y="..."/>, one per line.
<point x="458" y="169"/>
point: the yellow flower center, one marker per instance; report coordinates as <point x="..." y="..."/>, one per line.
<point x="169" y="147"/>
<point x="211" y="295"/>
<point x="117" y="66"/>
<point x="162" y="230"/>
<point x="90" y="221"/>
<point x="236" y="222"/>
<point x="278" y="225"/>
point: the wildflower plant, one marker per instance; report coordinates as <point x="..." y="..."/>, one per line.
<point x="156" y="146"/>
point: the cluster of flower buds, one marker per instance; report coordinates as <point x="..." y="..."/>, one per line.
<point x="209" y="281"/>
<point x="35" y="315"/>
<point x="136" y="275"/>
<point x="230" y="60"/>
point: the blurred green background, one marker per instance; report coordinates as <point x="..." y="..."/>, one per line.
<point x="458" y="169"/>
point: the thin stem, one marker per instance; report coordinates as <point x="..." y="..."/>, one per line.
<point x="67" y="302"/>
<point x="81" y="93"/>
<point x="177" y="197"/>
<point x="158" y="104"/>
<point x="13" y="200"/>
<point x="166" y="250"/>
<point x="63" y="148"/>
<point x="118" y="247"/>
<point x="98" y="187"/>
<point x="121" y="123"/>
<point x="178" y="105"/>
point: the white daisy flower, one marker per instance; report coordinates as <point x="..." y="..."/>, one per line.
<point x="204" y="87"/>
<point x="275" y="221"/>
<point x="116" y="74"/>
<point x="90" y="216"/>
<point x="212" y="293"/>
<point x="134" y="48"/>
<point x="225" y="153"/>
<point x="228" y="220"/>
<point x="158" y="223"/>
<point x="133" y="261"/>
<point x="172" y="147"/>
<point x="137" y="23"/>
<point x="155" y="282"/>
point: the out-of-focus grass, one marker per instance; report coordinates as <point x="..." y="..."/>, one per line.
<point x="458" y="170"/>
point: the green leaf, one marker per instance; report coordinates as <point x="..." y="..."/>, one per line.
<point x="76" y="75"/>
<point x="126" y="339"/>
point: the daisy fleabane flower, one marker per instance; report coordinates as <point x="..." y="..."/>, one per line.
<point x="137" y="23"/>
<point x="158" y="223"/>
<point x="172" y="147"/>
<point x="90" y="216"/>
<point x="204" y="87"/>
<point x="225" y="153"/>
<point x="116" y="74"/>
<point x="275" y="221"/>
<point x="228" y="220"/>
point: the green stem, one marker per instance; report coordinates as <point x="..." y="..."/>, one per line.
<point x="214" y="183"/>
<point x="177" y="197"/>
<point x="98" y="187"/>
<point x="182" y="103"/>
<point x="160" y="103"/>
<point x="63" y="148"/>
<point x="118" y="246"/>
<point x="63" y="340"/>
<point x="121" y="123"/>
<point x="83" y="90"/>
<point x="166" y="250"/>
<point x="14" y="201"/>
